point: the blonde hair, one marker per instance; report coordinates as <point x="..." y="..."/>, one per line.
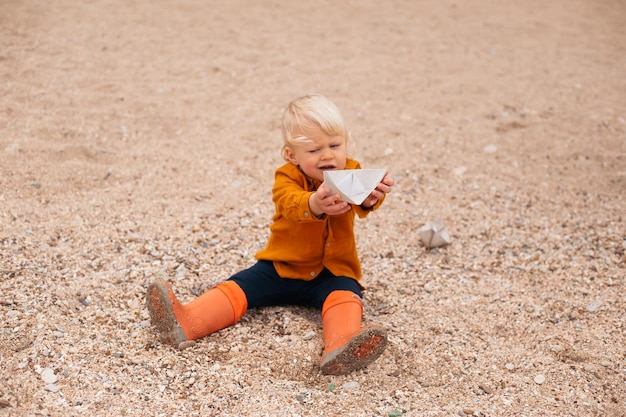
<point x="307" y="112"/>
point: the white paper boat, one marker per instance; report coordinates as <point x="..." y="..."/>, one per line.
<point x="353" y="185"/>
<point x="434" y="234"/>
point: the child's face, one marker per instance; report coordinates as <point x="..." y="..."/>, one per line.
<point x="322" y="153"/>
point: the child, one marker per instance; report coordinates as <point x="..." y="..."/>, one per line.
<point x="310" y="258"/>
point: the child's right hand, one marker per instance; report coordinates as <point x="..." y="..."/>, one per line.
<point x="322" y="202"/>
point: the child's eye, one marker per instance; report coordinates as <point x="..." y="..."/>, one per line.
<point x="313" y="150"/>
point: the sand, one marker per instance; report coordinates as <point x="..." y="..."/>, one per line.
<point x="139" y="140"/>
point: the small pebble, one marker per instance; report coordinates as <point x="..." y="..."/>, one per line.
<point x="48" y="376"/>
<point x="309" y="335"/>
<point x="540" y="379"/>
<point x="594" y="306"/>
<point x="350" y="385"/>
<point x="52" y="388"/>
<point x="490" y="148"/>
<point x="509" y="366"/>
<point x="85" y="300"/>
<point x="459" y="171"/>
<point x="486" y="388"/>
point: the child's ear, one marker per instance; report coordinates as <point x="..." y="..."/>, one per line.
<point x="290" y="155"/>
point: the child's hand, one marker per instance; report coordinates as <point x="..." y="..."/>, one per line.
<point x="322" y="202"/>
<point x="381" y="189"/>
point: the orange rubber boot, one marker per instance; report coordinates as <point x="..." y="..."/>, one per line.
<point x="179" y="325"/>
<point x="347" y="346"/>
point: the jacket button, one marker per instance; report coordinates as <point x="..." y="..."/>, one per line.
<point x="312" y="273"/>
<point x="306" y="214"/>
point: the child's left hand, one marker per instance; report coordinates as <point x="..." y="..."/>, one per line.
<point x="381" y="189"/>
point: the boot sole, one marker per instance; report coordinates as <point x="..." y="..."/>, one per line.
<point x="162" y="315"/>
<point x="357" y="353"/>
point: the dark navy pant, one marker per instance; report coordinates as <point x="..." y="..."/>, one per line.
<point x="264" y="287"/>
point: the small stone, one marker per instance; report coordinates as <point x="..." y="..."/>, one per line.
<point x="309" y="335"/>
<point x="486" y="388"/>
<point x="181" y="271"/>
<point x="594" y="306"/>
<point x="186" y="344"/>
<point x="85" y="300"/>
<point x="48" y="376"/>
<point x="490" y="148"/>
<point x="52" y="388"/>
<point x="459" y="171"/>
<point x="509" y="366"/>
<point x="350" y="385"/>
<point x="304" y="397"/>
<point x="540" y="379"/>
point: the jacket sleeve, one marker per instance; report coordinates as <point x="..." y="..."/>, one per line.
<point x="291" y="199"/>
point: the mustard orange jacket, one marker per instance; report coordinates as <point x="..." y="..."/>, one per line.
<point x="301" y="245"/>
